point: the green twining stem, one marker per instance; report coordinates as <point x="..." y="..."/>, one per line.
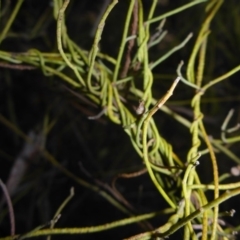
<point x="145" y="143"/>
<point x="61" y="33"/>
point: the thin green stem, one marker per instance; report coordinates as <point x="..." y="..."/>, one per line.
<point x="123" y="42"/>
<point x="175" y="11"/>
<point x="10" y="20"/>
<point x="145" y="143"/>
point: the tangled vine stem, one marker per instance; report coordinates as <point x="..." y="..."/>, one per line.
<point x="112" y="85"/>
<point x="157" y="106"/>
